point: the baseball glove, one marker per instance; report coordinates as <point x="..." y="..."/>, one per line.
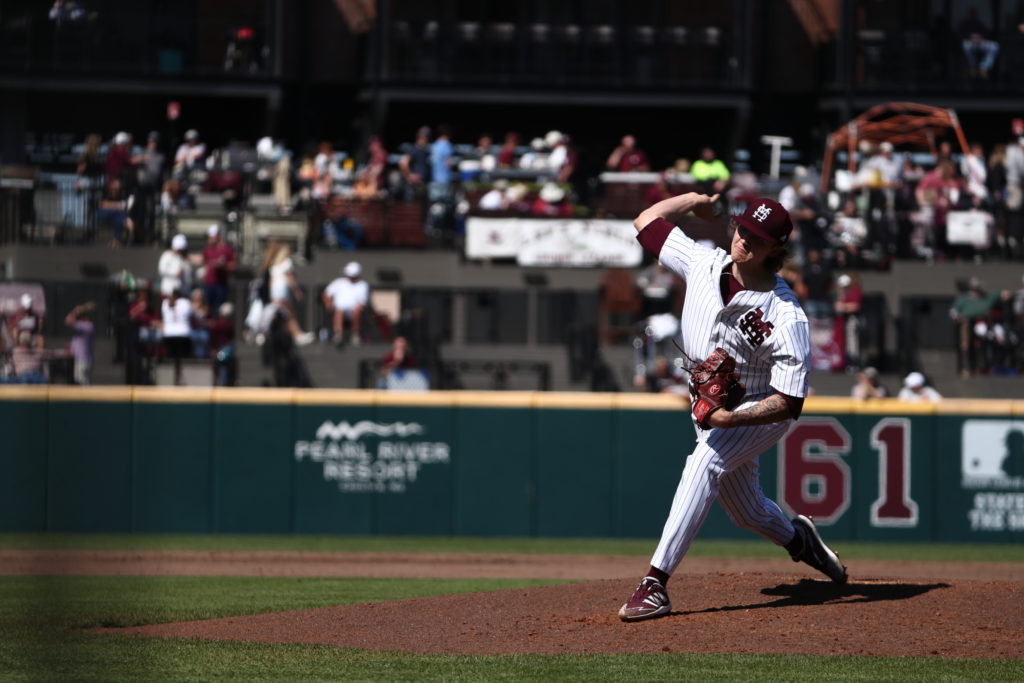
<point x="714" y="384"/>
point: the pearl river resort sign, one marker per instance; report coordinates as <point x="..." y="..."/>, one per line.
<point x="370" y="457"/>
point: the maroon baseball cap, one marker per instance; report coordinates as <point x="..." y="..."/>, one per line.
<point x="768" y="219"/>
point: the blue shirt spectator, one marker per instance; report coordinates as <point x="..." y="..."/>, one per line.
<point x="440" y="160"/>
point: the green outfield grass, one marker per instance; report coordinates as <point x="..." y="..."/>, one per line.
<point x="42" y="620"/>
<point x="755" y="547"/>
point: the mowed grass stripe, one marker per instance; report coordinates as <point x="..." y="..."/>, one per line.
<point x="948" y="552"/>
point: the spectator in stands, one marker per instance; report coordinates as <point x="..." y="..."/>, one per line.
<point x="846" y="234"/>
<point x="28" y="361"/>
<point x="791" y="273"/>
<point x="67" y="11"/>
<point x="442" y="162"/>
<point x="285" y="292"/>
<point x="974" y="315"/>
<point x="484" y="153"/>
<point x="219" y="259"/>
<point x="558" y="158"/>
<point x="115" y="204"/>
<point x="174" y="199"/>
<point x="174" y="268"/>
<point x="397" y="359"/>
<point x="849" y="300"/>
<point x="26" y="319"/>
<point x="879" y="178"/>
<point x="142" y="319"/>
<point x="797" y="198"/>
<point x="881" y="170"/>
<point x="789" y="196"/>
<point x="149" y="166"/>
<point x="975" y="173"/>
<point x="1015" y="190"/>
<point x="868" y="385"/>
<point x="90" y="165"/>
<point x="1017" y="325"/>
<point x="817" y="279"/>
<point x="119" y="157"/>
<point x="200" y="333"/>
<point x="176" y="330"/>
<point x="189" y="155"/>
<point x="536" y="158"/>
<point x="415" y="166"/>
<point x="339" y="229"/>
<point x="916" y="389"/>
<point x="552" y="202"/>
<point x="995" y="178"/>
<point x="508" y="151"/>
<point x="710" y="172"/>
<point x="936" y="196"/>
<point x="90" y="171"/>
<point x="979" y="49"/>
<point x="658" y="287"/>
<point x="627" y="157"/>
<point x="517" y="198"/>
<point x="494" y="199"/>
<point x="222" y="346"/>
<point x="83" y="333"/>
<point x="372" y="174"/>
<point x="659" y="190"/>
<point x="345" y="298"/>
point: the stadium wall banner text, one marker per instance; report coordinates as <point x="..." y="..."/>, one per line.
<point x="318" y="461"/>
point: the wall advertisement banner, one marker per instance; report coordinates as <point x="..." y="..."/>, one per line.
<point x="554" y="242"/>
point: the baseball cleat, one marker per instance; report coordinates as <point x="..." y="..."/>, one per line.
<point x="650" y="600"/>
<point x="814" y="551"/>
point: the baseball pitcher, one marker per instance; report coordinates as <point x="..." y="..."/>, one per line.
<point x="746" y="338"/>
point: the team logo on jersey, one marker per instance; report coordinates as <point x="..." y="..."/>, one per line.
<point x="755" y="328"/>
<point x="761" y="213"/>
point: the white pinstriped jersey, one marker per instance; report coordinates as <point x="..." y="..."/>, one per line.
<point x="766" y="332"/>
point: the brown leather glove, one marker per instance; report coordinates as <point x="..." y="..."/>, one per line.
<point x="714" y="384"/>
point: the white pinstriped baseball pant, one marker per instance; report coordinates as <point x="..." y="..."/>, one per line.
<point x="724" y="465"/>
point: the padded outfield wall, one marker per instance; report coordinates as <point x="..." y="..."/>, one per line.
<point x="121" y="459"/>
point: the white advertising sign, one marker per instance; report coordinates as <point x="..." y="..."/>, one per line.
<point x="492" y="237"/>
<point x="968" y="227"/>
<point x="554" y="242"/>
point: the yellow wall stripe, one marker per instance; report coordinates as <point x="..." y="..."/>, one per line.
<point x="482" y="399"/>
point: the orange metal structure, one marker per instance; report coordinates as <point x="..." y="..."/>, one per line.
<point x="901" y="123"/>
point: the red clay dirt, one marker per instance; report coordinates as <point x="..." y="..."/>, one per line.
<point x="732" y="605"/>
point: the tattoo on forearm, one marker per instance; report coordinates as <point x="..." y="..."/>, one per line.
<point x="772" y="409"/>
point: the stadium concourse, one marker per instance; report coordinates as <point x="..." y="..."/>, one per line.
<point x="495" y="325"/>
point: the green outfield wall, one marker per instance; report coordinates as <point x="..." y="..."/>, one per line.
<point x="120" y="459"/>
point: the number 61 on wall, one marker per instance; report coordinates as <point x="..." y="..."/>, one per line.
<point x="815" y="479"/>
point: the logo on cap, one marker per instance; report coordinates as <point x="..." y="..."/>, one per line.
<point x="761" y="213"/>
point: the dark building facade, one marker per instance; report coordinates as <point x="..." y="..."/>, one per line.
<point x="678" y="75"/>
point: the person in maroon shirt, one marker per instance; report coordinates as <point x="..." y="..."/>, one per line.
<point x="119" y="156"/>
<point x="398" y="358"/>
<point x="220" y="262"/>
<point x="627" y="157"/>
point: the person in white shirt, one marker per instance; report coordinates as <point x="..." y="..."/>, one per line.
<point x="174" y="268"/>
<point x="915" y="388"/>
<point x="176" y="315"/>
<point x="284" y="290"/>
<point x="346" y="298"/>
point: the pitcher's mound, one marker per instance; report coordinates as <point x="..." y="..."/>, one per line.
<point x="739" y="613"/>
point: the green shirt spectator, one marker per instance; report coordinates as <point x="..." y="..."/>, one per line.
<point x="710" y="172"/>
